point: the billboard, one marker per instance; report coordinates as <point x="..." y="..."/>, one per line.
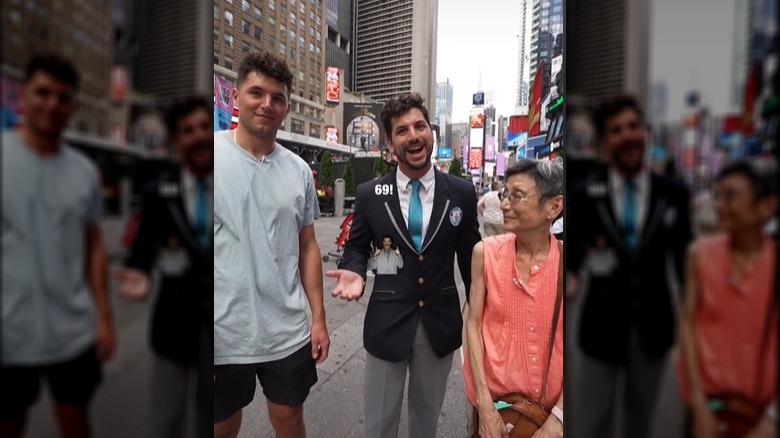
<point x="516" y="139"/>
<point x="332" y="85"/>
<point x="331" y="134"/>
<point x="445" y="153"/>
<point x="500" y="164"/>
<point x="478" y="98"/>
<point x="118" y="83"/>
<point x="476" y="137"/>
<point x="535" y="102"/>
<point x="10" y="107"/>
<point x="223" y="103"/>
<point x="490" y="148"/>
<point x="518" y="124"/>
<point x="475" y="158"/>
<point x="477" y="118"/>
<point x="362" y="129"/>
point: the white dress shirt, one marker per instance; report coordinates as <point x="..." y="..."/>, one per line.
<point x="190" y="191"/>
<point x="404" y="186"/>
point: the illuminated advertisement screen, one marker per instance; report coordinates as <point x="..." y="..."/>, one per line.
<point x="362" y="129"/>
<point x="477" y="118"/>
<point x="332" y="85"/>
<point x="475" y="159"/>
<point x="331" y="134"/>
<point x="476" y="137"/>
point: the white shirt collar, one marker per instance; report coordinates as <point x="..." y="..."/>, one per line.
<point x="427" y="180"/>
<point x="188" y="180"/>
<point x="617" y="181"/>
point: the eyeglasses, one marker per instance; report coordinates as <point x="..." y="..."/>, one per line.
<point x="513" y="197"/>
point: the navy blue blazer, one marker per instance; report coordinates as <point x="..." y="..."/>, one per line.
<point x="183" y="311"/>
<point x="424" y="289"/>
<point x="642" y="291"/>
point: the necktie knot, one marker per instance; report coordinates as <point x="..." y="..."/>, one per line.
<point x="415" y="183"/>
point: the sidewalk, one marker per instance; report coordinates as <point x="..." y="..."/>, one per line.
<point x="335" y="406"/>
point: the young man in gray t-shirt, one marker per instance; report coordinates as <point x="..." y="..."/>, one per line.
<point x="56" y="318"/>
<point x="266" y="259"/>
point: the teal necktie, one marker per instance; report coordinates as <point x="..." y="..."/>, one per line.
<point x="416" y="215"/>
<point x="201" y="216"/>
<point x="629" y="213"/>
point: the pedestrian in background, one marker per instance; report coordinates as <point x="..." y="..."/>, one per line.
<point x="56" y="314"/>
<point x="413" y="321"/>
<point x="728" y="334"/>
<point x="175" y="238"/>
<point x="489" y="206"/>
<point x="266" y="259"/>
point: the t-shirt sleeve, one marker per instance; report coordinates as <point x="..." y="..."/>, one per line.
<point x="312" y="207"/>
<point x="94" y="208"/>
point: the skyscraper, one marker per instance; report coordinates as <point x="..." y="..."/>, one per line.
<point x="396" y="47"/>
<point x="547" y="38"/>
<point x="442" y="114"/>
<point x="617" y="30"/>
<point x="523" y="58"/>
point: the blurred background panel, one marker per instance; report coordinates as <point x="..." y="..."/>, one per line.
<point x="705" y="74"/>
<point x="135" y="57"/>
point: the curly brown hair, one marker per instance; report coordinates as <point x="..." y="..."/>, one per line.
<point x="612" y="106"/>
<point x="266" y="64"/>
<point x="399" y="105"/>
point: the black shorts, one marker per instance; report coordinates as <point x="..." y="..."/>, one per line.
<point x="72" y="382"/>
<point x="285" y="382"/>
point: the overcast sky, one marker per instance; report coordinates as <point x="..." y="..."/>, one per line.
<point x="691" y="48"/>
<point x="479" y="36"/>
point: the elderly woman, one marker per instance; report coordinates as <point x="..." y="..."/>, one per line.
<point x="514" y="296"/>
<point x="728" y="332"/>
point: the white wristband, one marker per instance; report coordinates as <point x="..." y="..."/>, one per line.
<point x="558" y="413"/>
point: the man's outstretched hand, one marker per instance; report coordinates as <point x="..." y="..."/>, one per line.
<point x="349" y="284"/>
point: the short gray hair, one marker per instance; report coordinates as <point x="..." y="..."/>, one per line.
<point x="547" y="175"/>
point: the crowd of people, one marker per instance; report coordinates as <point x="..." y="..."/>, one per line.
<point x="647" y="278"/>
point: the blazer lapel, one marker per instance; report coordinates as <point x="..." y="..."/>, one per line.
<point x="654" y="213"/>
<point x="181" y="218"/>
<point x="441" y="203"/>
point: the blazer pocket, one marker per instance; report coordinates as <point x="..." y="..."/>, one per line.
<point x="391" y="292"/>
<point x="450" y="290"/>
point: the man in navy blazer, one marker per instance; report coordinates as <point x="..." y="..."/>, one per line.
<point x="626" y="236"/>
<point x="413" y="320"/>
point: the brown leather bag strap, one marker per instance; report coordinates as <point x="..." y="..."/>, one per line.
<point x="556" y="314"/>
<point x="767" y="325"/>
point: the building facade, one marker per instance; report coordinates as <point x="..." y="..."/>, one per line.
<point x="442" y="114"/>
<point x="396" y="47"/>
<point x="617" y="30"/>
<point x="77" y="30"/>
<point x="296" y="31"/>
<point x="339" y="47"/>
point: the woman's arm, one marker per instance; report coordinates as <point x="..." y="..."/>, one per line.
<point x="490" y="422"/>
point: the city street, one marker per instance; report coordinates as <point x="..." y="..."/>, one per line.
<point x="334" y="407"/>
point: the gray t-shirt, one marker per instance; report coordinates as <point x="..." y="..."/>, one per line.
<point x="259" y="210"/>
<point x="47" y="306"/>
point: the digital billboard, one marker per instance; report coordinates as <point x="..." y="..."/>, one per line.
<point x="475" y="158"/>
<point x="362" y="129"/>
<point x="332" y="85"/>
<point x="223" y="103"/>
